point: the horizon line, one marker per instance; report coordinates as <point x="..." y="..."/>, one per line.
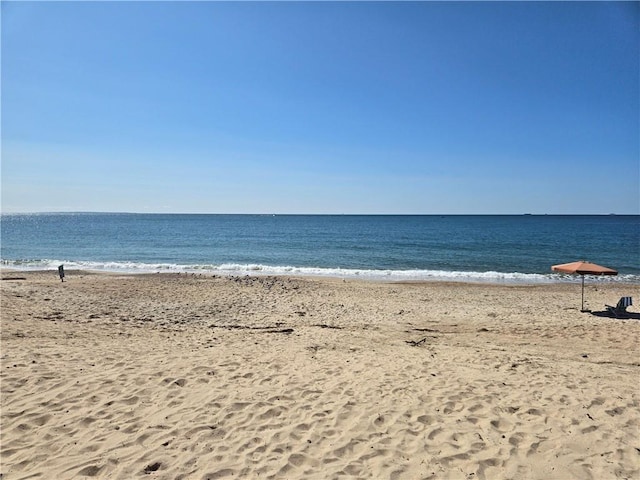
<point x="97" y="212"/>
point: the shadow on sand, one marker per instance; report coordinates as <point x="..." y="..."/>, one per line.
<point x="621" y="316"/>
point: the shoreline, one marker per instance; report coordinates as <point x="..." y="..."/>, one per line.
<point x="481" y="278"/>
<point x="185" y="376"/>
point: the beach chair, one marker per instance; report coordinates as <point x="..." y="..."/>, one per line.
<point x="621" y="308"/>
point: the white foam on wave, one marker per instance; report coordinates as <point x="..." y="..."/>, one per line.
<point x="258" y="269"/>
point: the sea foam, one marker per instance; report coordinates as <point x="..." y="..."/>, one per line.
<point x="235" y="269"/>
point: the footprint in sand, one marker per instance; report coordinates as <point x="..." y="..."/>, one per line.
<point x="615" y="411"/>
<point x="130" y="400"/>
<point x="434" y="433"/>
<point x="90" y="471"/>
<point x="501" y="425"/>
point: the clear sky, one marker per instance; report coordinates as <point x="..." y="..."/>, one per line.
<point x="321" y="107"/>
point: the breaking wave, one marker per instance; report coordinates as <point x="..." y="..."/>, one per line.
<point x="258" y="269"/>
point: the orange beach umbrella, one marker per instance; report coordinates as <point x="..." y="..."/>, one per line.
<point x="583" y="268"/>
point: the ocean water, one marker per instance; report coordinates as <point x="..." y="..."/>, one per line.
<point x="495" y="248"/>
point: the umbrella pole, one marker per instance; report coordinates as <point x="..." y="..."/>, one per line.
<point x="582" y="310"/>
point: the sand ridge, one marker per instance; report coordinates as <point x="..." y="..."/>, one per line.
<point x="197" y="377"/>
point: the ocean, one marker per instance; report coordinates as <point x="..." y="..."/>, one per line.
<point x="486" y="248"/>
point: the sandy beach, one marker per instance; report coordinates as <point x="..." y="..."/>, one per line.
<point x="177" y="376"/>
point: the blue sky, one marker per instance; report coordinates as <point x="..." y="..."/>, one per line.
<point x="321" y="107"/>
